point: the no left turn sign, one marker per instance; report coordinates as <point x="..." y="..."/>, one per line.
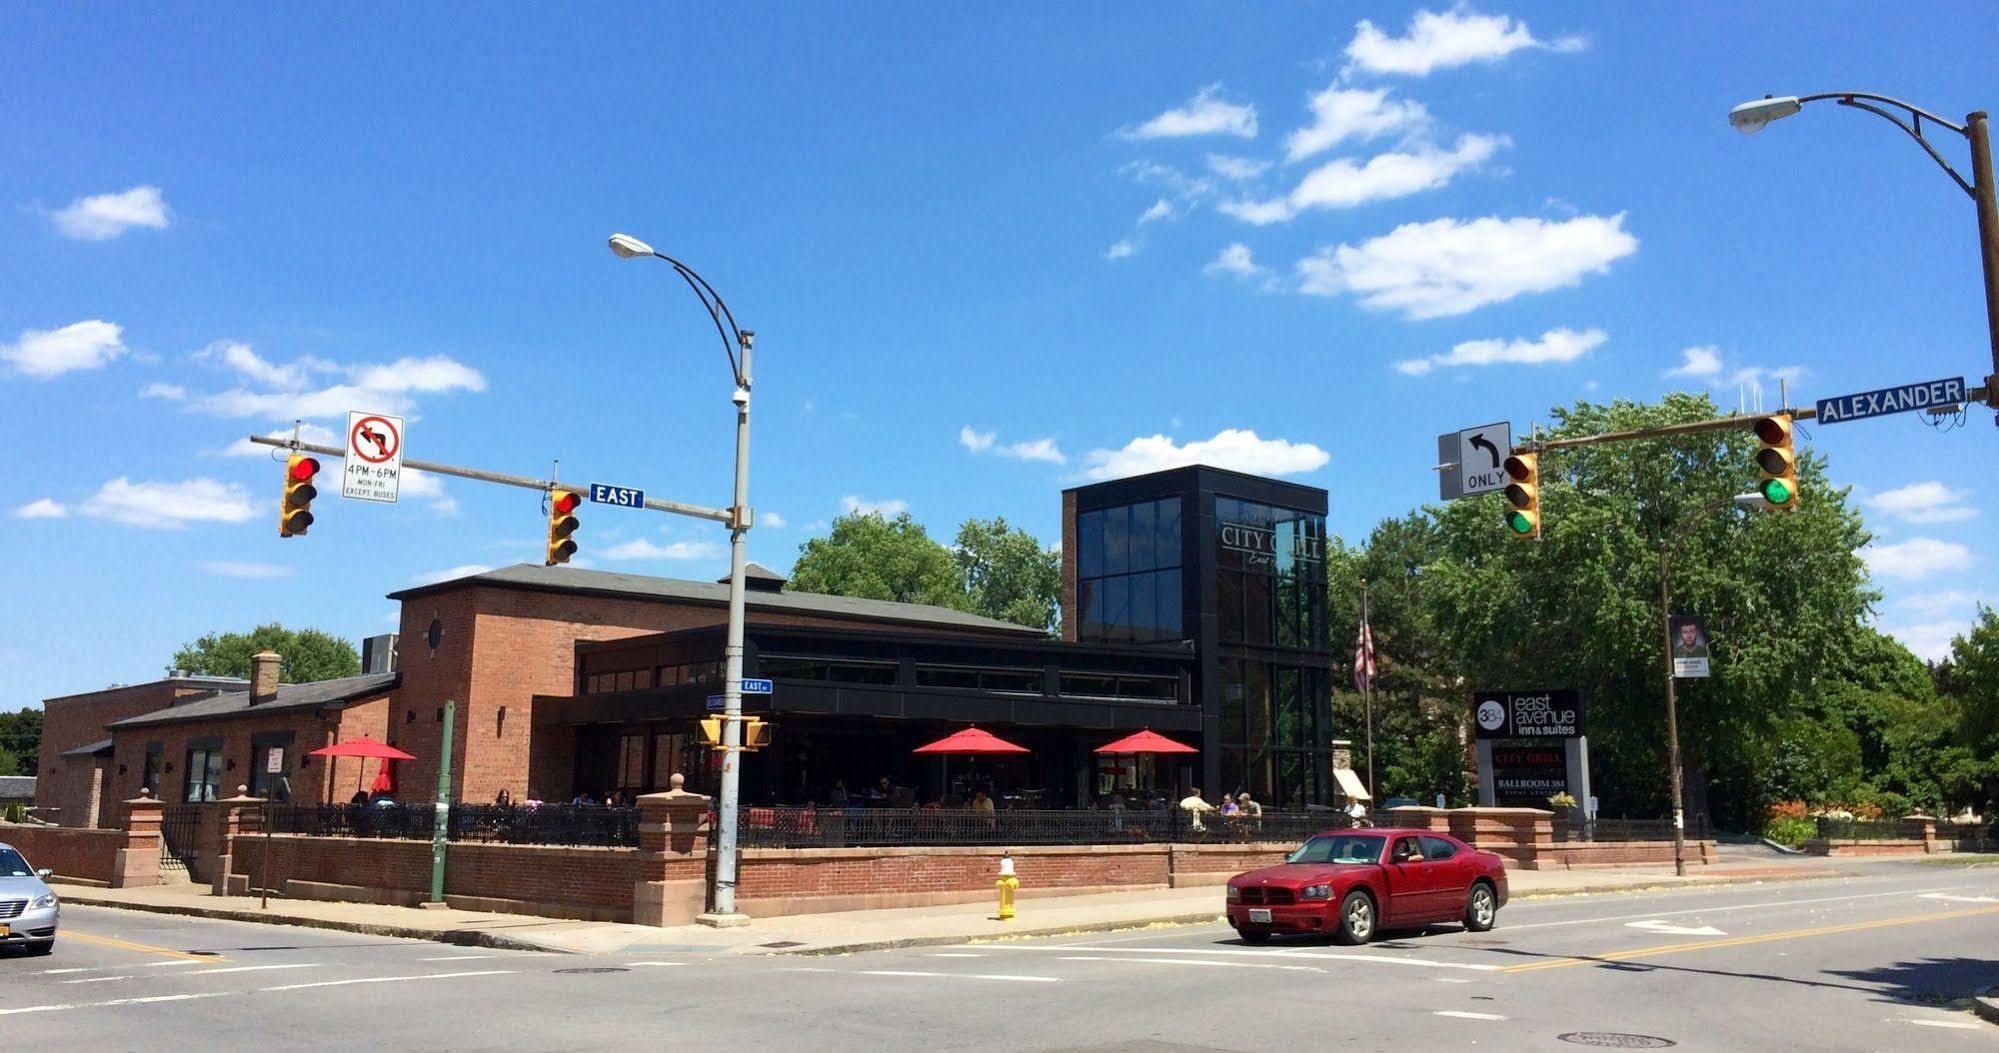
<point x="374" y="461"/>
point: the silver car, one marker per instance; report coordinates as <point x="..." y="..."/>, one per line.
<point x="29" y="909"/>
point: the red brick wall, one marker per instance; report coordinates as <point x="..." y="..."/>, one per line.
<point x="554" y="877"/>
<point x="78" y="720"/>
<point x="1069" y="543"/>
<point x="793" y="881"/>
<point x="313" y="778"/>
<point x="88" y="854"/>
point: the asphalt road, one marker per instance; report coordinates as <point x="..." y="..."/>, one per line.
<point x="1879" y="962"/>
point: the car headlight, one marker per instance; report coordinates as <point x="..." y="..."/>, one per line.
<point x="1316" y="892"/>
<point x="44" y="901"/>
<point x="1235" y="894"/>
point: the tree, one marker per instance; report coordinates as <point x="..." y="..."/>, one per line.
<point x="21" y="739"/>
<point x="874" y="557"/>
<point x="308" y="654"/>
<point x="1970" y="677"/>
<point x="1008" y="575"/>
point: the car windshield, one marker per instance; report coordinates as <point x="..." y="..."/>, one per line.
<point x="12" y="865"/>
<point x="1340" y="848"/>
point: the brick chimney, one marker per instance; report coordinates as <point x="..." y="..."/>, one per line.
<point x="264" y="676"/>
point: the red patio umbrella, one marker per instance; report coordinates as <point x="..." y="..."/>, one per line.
<point x="365" y="747"/>
<point x="971" y="742"/>
<point x="1146" y="741"/>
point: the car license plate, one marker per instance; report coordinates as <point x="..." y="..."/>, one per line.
<point x="1260" y="915"/>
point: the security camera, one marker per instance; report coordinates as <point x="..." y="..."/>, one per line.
<point x="741" y="397"/>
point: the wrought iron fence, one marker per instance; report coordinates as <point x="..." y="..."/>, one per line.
<point x="875" y="827"/>
<point x="1629" y="829"/>
<point x="1870" y="830"/>
<point x="550" y="824"/>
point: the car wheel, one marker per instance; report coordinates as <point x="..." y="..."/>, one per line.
<point x="40" y="949"/>
<point x="1482" y="909"/>
<point x="1356" y="919"/>
<point x="1254" y="935"/>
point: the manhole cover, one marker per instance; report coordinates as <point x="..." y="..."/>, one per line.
<point x="1616" y="1040"/>
<point x="609" y="969"/>
<point x="782" y="944"/>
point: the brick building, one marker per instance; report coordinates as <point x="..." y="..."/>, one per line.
<point x="76" y="749"/>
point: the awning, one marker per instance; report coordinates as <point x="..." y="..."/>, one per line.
<point x="1350" y="784"/>
<point x="95" y="749"/>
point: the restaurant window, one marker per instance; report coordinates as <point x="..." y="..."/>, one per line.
<point x="1271" y="564"/>
<point x="786" y="667"/>
<point x="203" y="773"/>
<point x="1128" y="573"/>
<point x="974" y="678"/>
<point x="264" y="782"/>
<point x="1105" y="685"/>
<point x="155" y="760"/>
<point x="1272" y="731"/>
<point x="632" y="761"/>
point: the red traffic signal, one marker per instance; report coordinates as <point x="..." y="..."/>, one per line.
<point x="562" y="522"/>
<point x="566" y="501"/>
<point x="295" y="508"/>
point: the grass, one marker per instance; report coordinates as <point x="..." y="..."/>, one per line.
<point x="1966" y="860"/>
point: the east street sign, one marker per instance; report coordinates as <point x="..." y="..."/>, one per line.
<point x="1549" y="713"/>
<point x="622" y="496"/>
<point x="1471" y="462"/>
<point x="1904" y="399"/>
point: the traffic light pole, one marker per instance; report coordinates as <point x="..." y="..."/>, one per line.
<point x="727" y="807"/>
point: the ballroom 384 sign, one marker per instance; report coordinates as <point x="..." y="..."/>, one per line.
<point x="1548" y="713"/>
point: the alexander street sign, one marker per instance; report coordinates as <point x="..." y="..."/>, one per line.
<point x="1904" y="399"/>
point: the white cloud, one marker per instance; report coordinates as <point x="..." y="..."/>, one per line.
<point x="324" y="403"/>
<point x="102" y="217"/>
<point x="1236" y="169"/>
<point x="1339" y="114"/>
<point x="1345" y="184"/>
<point x="1233" y="448"/>
<point x="41" y="508"/>
<point x="44" y="353"/>
<point x="1698" y="362"/>
<point x="1442" y="40"/>
<point x="1916" y="558"/>
<point x="1929" y="640"/>
<point x="287" y="391"/>
<point x="1555" y="345"/>
<point x="976" y="441"/>
<point x="1178" y="183"/>
<point x="169" y="506"/>
<point x="1120" y="249"/>
<point x="770" y="519"/>
<point x="1160" y="209"/>
<point x="423" y="486"/>
<point x="1450" y="266"/>
<point x="1204" y="114"/>
<point x="1235" y="259"/>
<point x="168" y="392"/>
<point x="255" y="368"/>
<point x="434" y="374"/>
<point x="1941" y="604"/>
<point x="463" y="570"/>
<point x="1928" y="502"/>
<point x="645" y="548"/>
<point x="248" y="570"/>
<point x="851" y="505"/>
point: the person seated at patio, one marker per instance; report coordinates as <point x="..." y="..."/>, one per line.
<point x="503" y="800"/>
<point x="1228" y="804"/>
<point x="583" y="798"/>
<point x="884" y="789"/>
<point x="1194" y="804"/>
<point x="837" y="797"/>
<point x="982" y="803"/>
<point x="360" y="797"/>
<point x="1249" y="808"/>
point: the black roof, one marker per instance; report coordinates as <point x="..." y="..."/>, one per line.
<point x="17" y="787"/>
<point x="100" y="746"/>
<point x="607" y="583"/>
<point x="290" y="697"/>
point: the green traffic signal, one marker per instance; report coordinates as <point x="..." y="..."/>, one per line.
<point x="1776" y="491"/>
<point x="1519" y="523"/>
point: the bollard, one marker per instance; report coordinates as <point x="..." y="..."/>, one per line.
<point x="1006" y="884"/>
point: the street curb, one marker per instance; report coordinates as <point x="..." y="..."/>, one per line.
<point x="1986" y="1005"/>
<point x="1050" y="930"/>
<point x="456" y="937"/>
<point x="1701" y="882"/>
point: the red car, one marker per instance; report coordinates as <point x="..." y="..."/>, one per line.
<point x="1352" y="883"/>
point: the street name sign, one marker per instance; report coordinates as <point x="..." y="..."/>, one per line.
<point x="1548" y="713"/>
<point x="756" y="687"/>
<point x="717" y="703"/>
<point x="373" y="465"/>
<point x="1471" y="462"/>
<point x="1904" y="399"/>
<point x="622" y="496"/>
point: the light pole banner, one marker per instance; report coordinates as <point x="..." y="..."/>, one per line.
<point x="1689" y="647"/>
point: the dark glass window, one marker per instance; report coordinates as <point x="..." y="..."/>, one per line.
<point x="154" y="759"/>
<point x="946" y="676"/>
<point x="1089" y="685"/>
<point x="1167" y="549"/>
<point x="1144" y="542"/>
<point x="1090" y="597"/>
<point x="1117" y="608"/>
<point x="1090" y="561"/>
<point x="204" y="774"/>
<point x="1131" y="591"/>
<point x="1144" y="607"/>
<point x="1170" y="603"/>
<point x="1022" y="681"/>
<point x="1156" y="688"/>
<point x="861" y="673"/>
<point x="1117" y="540"/>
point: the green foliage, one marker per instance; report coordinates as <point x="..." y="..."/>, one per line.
<point x="1008" y="575"/>
<point x="20" y="742"/>
<point x="1790" y="831"/>
<point x="872" y="556"/>
<point x="1970" y="677"/>
<point x="14" y="813"/>
<point x="308" y="654"/>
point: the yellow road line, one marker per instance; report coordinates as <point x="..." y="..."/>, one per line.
<point x="142" y="948"/>
<point x="1739" y="941"/>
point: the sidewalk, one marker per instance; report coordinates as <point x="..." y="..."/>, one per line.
<point x="846" y="931"/>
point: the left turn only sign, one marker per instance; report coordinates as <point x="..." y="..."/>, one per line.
<point x="374" y="457"/>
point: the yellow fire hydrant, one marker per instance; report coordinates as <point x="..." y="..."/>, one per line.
<point x="1006" y="884"/>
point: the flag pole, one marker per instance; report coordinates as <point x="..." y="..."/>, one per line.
<point x="1367" y="689"/>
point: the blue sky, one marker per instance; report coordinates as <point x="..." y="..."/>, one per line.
<point x="988" y="255"/>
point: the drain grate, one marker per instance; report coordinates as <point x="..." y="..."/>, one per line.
<point x="782" y="944"/>
<point x="1616" y="1040"/>
<point x="594" y="969"/>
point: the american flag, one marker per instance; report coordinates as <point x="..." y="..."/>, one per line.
<point x="1363" y="655"/>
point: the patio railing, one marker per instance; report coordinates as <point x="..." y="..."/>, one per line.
<point x="549" y="824"/>
<point x="878" y="827"/>
<point x="1628" y="829"/>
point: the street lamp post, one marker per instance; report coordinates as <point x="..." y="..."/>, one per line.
<point x="736" y="343"/>
<point x="1751" y="117"/>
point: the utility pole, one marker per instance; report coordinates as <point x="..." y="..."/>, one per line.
<point x="440" y="831"/>
<point x="1985" y="197"/>
<point x="728" y="806"/>
<point x="1672" y="715"/>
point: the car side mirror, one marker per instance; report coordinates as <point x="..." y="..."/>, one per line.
<point x="45" y="873"/>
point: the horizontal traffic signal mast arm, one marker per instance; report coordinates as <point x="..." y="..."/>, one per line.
<point x="719" y="515"/>
<point x="1740" y="420"/>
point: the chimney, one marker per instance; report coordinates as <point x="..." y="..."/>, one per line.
<point x="264" y="676"/>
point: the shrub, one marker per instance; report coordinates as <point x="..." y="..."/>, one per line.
<point x="1790" y="830"/>
<point x="1564" y="799"/>
<point x="1789" y="810"/>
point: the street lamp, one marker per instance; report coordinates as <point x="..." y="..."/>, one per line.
<point x="734" y="339"/>
<point x="1751" y="117"/>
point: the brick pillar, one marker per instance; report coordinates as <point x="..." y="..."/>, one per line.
<point x="93" y="805"/>
<point x="138" y="863"/>
<point x="1928" y="827"/>
<point x="673" y="856"/>
<point x="228" y="819"/>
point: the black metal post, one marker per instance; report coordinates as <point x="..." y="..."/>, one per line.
<point x="1986" y="199"/>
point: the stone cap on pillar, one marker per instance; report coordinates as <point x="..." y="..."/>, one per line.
<point x="676" y="797"/>
<point x="242" y="797"/>
<point x="145" y="798"/>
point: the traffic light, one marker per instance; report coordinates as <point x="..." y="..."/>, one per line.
<point x="711" y="731"/>
<point x="295" y="511"/>
<point x="1523" y="495"/>
<point x="561" y="524"/>
<point x="756" y="733"/>
<point x="1778" y="460"/>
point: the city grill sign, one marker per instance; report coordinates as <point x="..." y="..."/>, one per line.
<point x="1259" y="544"/>
<point x="1541" y="714"/>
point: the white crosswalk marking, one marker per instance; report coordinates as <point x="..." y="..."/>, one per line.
<point x="1191" y="961"/>
<point x="660" y="965"/>
<point x="252" y="968"/>
<point x="387" y="980"/>
<point x="96" y="979"/>
<point x="964" y="976"/>
<point x="458" y="958"/>
<point x="1957" y="1025"/>
<point x="1465" y="1015"/>
<point x="1204" y="952"/>
<point x="113" y="1002"/>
